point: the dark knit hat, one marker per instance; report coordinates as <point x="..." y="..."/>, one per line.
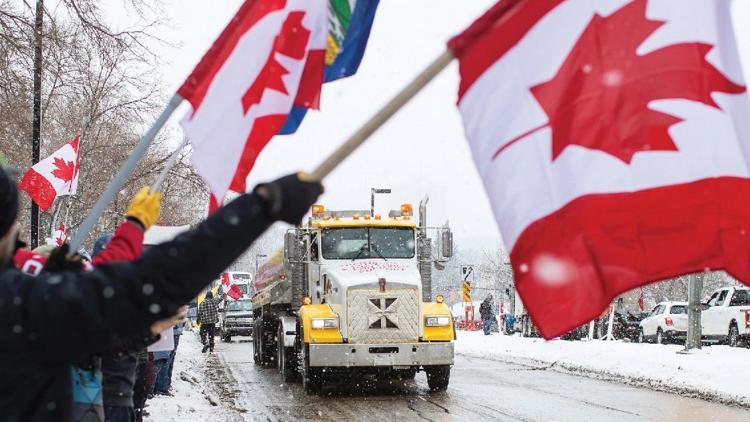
<point x="8" y="202"/>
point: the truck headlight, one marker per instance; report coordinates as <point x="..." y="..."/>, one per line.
<point x="324" y="323"/>
<point x="437" y="321"/>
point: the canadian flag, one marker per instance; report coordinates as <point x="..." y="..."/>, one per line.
<point x="56" y="175"/>
<point x="59" y="236"/>
<point x="613" y="140"/>
<point x="229" y="288"/>
<point x="269" y="58"/>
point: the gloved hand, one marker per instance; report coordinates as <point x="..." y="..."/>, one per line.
<point x="145" y="207"/>
<point x="289" y="198"/>
<point x="60" y="261"/>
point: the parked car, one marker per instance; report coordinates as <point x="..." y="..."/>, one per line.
<point x="666" y="322"/>
<point x="726" y="316"/>
<point x="236" y="319"/>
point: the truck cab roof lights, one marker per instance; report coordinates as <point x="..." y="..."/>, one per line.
<point x="318" y="210"/>
<point x="407" y="210"/>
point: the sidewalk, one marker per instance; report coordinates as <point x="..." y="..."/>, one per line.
<point x="717" y="373"/>
<point x="193" y="399"/>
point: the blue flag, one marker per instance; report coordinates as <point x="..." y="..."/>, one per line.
<point x="347" y="41"/>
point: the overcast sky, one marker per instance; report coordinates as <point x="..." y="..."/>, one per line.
<point x="421" y="152"/>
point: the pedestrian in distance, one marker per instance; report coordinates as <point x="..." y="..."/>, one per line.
<point x="487" y="314"/>
<point x="51" y="321"/>
<point x="208" y="316"/>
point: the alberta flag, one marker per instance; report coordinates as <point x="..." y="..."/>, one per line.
<point x="350" y="22"/>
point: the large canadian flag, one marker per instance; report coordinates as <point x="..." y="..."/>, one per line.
<point x="56" y="175"/>
<point x="269" y="58"/>
<point x="613" y="140"/>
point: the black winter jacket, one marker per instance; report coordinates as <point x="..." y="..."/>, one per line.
<point x="50" y="321"/>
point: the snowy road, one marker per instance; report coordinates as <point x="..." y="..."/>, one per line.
<point x="479" y="390"/>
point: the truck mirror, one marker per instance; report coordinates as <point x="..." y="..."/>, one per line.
<point x="447" y="243"/>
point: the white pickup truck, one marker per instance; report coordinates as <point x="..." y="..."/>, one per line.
<point x="726" y="316"/>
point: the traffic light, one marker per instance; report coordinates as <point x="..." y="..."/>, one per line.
<point x="466" y="291"/>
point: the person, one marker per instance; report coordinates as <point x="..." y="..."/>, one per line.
<point x="170" y="365"/>
<point x="88" y="376"/>
<point x="51" y="321"/>
<point x="208" y="316"/>
<point x="487" y="314"/>
<point x="161" y="368"/>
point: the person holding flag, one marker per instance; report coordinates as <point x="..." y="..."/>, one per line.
<point x="50" y="321"/>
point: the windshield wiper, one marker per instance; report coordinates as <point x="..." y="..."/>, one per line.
<point x="375" y="248"/>
<point x="361" y="250"/>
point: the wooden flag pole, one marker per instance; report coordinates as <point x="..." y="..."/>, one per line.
<point x="122" y="175"/>
<point x="382" y="116"/>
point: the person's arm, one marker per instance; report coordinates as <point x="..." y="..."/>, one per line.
<point x="65" y="316"/>
<point x="126" y="244"/>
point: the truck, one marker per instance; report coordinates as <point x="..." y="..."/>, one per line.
<point x="726" y="316"/>
<point x="235" y="319"/>
<point x="350" y="294"/>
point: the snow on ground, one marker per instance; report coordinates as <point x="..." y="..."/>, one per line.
<point x="192" y="399"/>
<point x="717" y="373"/>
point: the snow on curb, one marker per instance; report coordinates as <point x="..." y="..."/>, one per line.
<point x="192" y="401"/>
<point x="718" y="373"/>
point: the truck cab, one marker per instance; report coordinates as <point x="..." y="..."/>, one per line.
<point x="362" y="306"/>
<point x="726" y="316"/>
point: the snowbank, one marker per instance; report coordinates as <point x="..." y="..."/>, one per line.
<point x="717" y="373"/>
<point x="191" y="401"/>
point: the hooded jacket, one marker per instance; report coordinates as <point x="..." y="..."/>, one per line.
<point x="50" y="321"/>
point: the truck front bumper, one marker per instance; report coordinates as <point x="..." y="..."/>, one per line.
<point x="389" y="355"/>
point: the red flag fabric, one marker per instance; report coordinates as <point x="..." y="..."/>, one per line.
<point x="268" y="59"/>
<point x="230" y="288"/>
<point x="56" y="175"/>
<point x="612" y="139"/>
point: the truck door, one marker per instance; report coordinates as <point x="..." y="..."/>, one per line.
<point x="711" y="318"/>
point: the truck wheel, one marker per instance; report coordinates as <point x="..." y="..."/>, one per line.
<point x="733" y="337"/>
<point x="228" y="338"/>
<point x="311" y="377"/>
<point x="286" y="359"/>
<point x="438" y="377"/>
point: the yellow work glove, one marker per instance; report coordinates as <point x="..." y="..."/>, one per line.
<point x="145" y="207"/>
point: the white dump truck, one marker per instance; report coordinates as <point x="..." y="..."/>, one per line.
<point x="350" y="294"/>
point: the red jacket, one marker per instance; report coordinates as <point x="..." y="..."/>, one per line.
<point x="126" y="245"/>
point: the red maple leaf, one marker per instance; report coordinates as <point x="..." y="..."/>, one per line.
<point x="64" y="170"/>
<point x="600" y="95"/>
<point x="291" y="42"/>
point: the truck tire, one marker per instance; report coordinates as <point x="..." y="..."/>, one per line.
<point x="285" y="358"/>
<point x="438" y="377"/>
<point x="733" y="336"/>
<point x="312" y="378"/>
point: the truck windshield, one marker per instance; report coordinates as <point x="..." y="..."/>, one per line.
<point x="368" y="242"/>
<point x="240" y="306"/>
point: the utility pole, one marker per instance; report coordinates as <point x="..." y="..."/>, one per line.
<point x="36" y="128"/>
<point x="695" y="289"/>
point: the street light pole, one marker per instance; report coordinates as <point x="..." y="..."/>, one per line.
<point x="374" y="191"/>
<point x="36" y="127"/>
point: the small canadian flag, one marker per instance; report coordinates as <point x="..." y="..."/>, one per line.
<point x="56" y="175"/>
<point x="229" y="288"/>
<point x="59" y="236"/>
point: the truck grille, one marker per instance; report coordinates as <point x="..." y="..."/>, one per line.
<point x="383" y="317"/>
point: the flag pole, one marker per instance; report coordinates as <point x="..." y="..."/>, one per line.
<point x="122" y="175"/>
<point x="382" y="116"/>
<point x="168" y="167"/>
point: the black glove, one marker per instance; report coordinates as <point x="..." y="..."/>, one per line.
<point x="289" y="198"/>
<point x="60" y="261"/>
